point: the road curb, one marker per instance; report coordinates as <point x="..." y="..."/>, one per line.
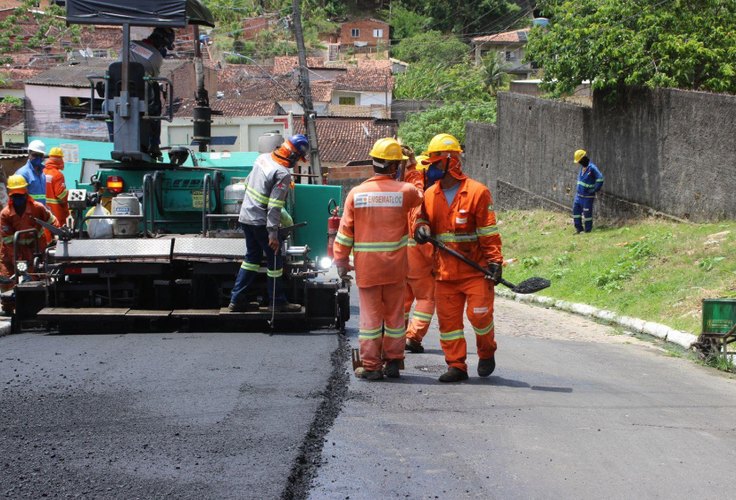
<point x="5" y="328"/>
<point x="683" y="339"/>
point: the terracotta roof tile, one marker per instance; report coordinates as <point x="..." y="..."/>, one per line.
<point x="67" y="75"/>
<point x="283" y="65"/>
<point x="516" y="36"/>
<point x="232" y="107"/>
<point x="348" y="139"/>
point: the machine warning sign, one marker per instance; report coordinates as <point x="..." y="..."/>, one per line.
<point x="197" y="199"/>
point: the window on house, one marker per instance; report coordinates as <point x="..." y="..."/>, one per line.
<point x="510" y="56"/>
<point x="346" y="101"/>
<point x="377" y="33"/>
<point x="100" y="53"/>
<point x="78" y="107"/>
<point x="355" y="32"/>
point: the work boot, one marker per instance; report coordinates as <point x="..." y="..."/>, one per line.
<point x="454" y="375"/>
<point x="391" y="370"/>
<point x="285" y="307"/>
<point x="371" y="375"/>
<point x="486" y="366"/>
<point x="414" y="346"/>
<point x="288" y="307"/>
<point x="242" y="306"/>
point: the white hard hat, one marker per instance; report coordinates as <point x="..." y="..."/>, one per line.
<point x="37" y="146"/>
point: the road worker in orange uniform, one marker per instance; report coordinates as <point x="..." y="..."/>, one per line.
<point x="458" y="211"/>
<point x="18" y="215"/>
<point x="374" y="225"/>
<point x="56" y="192"/>
<point x="420" y="281"/>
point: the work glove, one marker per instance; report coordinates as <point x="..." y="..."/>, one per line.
<point x="495" y="270"/>
<point x="422" y="234"/>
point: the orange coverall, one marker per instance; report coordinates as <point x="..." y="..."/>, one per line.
<point x="419" y="285"/>
<point x="11" y="222"/>
<point x="56" y="192"/>
<point x="374" y="225"/>
<point x="468" y="226"/>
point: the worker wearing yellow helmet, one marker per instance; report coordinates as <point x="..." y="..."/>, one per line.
<point x="56" y="192"/>
<point x="374" y="226"/>
<point x="458" y="211"/>
<point x="419" y="280"/>
<point x="590" y="181"/>
<point x="20" y="214"/>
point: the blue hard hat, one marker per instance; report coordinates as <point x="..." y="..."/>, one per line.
<point x="301" y="143"/>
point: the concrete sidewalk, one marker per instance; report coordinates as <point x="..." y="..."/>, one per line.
<point x="683" y="339"/>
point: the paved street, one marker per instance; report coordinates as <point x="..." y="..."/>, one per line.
<point x="573" y="410"/>
<point x="212" y="415"/>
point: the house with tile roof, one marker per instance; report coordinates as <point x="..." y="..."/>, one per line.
<point x="58" y="99"/>
<point x="508" y="47"/>
<point x="237" y="123"/>
<point x="342" y="140"/>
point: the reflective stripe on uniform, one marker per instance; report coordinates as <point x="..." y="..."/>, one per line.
<point x="483" y="331"/>
<point x="38" y="196"/>
<point x="457" y="237"/>
<point x="275" y="202"/>
<point x="276" y="273"/>
<point x="423" y="316"/>
<point x="486" y="230"/>
<point x="394" y="333"/>
<point x="8" y="240"/>
<point x="381" y="246"/>
<point x="249" y="266"/>
<point x="586" y="185"/>
<point x="369" y="334"/>
<point x="453" y="335"/>
<point x="344" y="240"/>
<point x="257" y="196"/>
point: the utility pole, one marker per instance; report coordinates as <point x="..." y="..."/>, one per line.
<point x="309" y="114"/>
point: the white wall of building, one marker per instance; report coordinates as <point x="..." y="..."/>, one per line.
<point x="246" y="131"/>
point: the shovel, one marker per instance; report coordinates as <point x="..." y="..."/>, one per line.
<point x="530" y="285"/>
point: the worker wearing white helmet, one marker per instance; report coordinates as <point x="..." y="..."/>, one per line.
<point x="32" y="171"/>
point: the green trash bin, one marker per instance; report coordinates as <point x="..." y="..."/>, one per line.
<point x="719" y="316"/>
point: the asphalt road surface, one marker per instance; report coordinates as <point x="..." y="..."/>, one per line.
<point x="213" y="415"/>
<point x="573" y="410"/>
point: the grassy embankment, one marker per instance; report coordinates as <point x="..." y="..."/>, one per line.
<point x="651" y="269"/>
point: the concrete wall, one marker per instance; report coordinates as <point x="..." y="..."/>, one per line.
<point x="664" y="151"/>
<point x="401" y="107"/>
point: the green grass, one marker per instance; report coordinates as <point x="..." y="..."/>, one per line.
<point x="651" y="269"/>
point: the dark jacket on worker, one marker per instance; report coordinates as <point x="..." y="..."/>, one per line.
<point x="590" y="181"/>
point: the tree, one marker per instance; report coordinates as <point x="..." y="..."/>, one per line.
<point x="29" y="28"/>
<point x="468" y="17"/>
<point x="419" y="128"/>
<point x="688" y="44"/>
<point x="430" y="81"/>
<point x="493" y="73"/>
<point x="432" y="47"/>
<point x="404" y="22"/>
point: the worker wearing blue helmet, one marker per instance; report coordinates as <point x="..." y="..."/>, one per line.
<point x="260" y="217"/>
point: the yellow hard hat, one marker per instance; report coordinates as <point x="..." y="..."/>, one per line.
<point x="56" y="151"/>
<point x="444" y="142"/>
<point x="17" y="184"/>
<point x="579" y="155"/>
<point x="387" y="149"/>
<point x="421" y="166"/>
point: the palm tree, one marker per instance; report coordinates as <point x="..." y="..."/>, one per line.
<point x="494" y="73"/>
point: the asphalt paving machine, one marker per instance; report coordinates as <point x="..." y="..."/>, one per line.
<point x="175" y="246"/>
